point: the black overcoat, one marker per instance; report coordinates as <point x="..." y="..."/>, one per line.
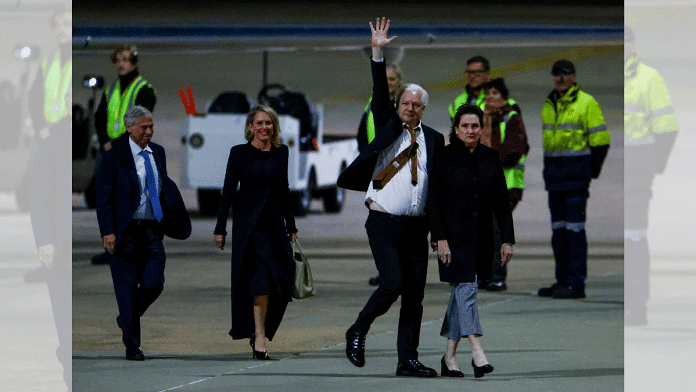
<point x="262" y="183"/>
<point x="465" y="193"/>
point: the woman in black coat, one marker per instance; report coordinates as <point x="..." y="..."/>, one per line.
<point x="262" y="228"/>
<point x="466" y="191"/>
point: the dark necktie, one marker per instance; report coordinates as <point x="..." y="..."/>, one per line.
<point x="397" y="163"/>
<point x="151" y="186"/>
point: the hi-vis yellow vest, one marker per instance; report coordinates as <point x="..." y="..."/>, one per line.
<point x="370" y="126"/>
<point x="57" y="82"/>
<point x="119" y="102"/>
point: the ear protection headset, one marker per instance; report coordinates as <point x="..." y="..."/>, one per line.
<point x="123" y="48"/>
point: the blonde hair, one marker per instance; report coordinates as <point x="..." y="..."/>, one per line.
<point x="249" y="136"/>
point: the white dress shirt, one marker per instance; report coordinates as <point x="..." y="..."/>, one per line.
<point x="400" y="196"/>
<point x="144" y="210"/>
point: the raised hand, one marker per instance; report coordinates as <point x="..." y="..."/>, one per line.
<point x="379" y="33"/>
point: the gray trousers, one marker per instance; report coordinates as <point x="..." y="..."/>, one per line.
<point x="461" y="317"/>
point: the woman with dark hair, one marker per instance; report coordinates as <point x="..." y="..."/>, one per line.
<point x="503" y="131"/>
<point x="466" y="192"/>
<point x="263" y="227"/>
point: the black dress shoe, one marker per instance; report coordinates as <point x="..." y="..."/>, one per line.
<point x="261" y="355"/>
<point x="479" y="371"/>
<point x="355" y="347"/>
<point x="567" y="292"/>
<point x="135" y="354"/>
<point x="413" y="368"/>
<point x="546" y="291"/>
<point x="446" y="372"/>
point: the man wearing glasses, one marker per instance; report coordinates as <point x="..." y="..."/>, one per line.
<point x="478" y="72"/>
<point x="576" y="141"/>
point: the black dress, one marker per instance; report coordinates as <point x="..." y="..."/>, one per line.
<point x="261" y="221"/>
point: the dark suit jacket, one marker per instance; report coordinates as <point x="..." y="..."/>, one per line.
<point x="388" y="127"/>
<point x="118" y="194"/>
<point x="466" y="191"/>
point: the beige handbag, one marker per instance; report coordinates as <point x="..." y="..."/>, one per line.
<point x="304" y="284"/>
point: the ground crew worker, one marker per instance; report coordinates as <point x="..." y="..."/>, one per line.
<point x="650" y="131"/>
<point x="503" y="131"/>
<point x="128" y="90"/>
<point x="366" y="129"/>
<point x="576" y="142"/>
<point x="478" y="72"/>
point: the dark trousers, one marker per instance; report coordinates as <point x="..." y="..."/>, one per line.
<point x="569" y="242"/>
<point x="637" y="253"/>
<point x="400" y="248"/>
<point x="137" y="270"/>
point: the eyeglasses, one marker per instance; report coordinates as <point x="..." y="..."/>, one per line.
<point x="475" y="72"/>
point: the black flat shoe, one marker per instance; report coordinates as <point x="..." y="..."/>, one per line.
<point x="445" y="372"/>
<point x="135" y="354"/>
<point x="261" y="355"/>
<point x="480" y="371"/>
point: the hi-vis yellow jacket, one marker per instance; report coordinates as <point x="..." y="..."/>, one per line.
<point x="576" y="140"/>
<point x="650" y="124"/>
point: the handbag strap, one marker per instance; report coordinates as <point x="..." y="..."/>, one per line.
<point x="297" y="243"/>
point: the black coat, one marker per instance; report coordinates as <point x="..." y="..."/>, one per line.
<point x="465" y="192"/>
<point x="388" y="127"/>
<point x="263" y="183"/>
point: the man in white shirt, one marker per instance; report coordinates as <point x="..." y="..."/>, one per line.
<point x="394" y="171"/>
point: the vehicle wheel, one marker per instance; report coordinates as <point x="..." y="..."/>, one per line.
<point x="303" y="199"/>
<point x="208" y="201"/>
<point x="91" y="194"/>
<point x="334" y="197"/>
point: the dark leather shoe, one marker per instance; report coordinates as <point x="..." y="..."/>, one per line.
<point x="546" y="291"/>
<point x="355" y="347"/>
<point x="446" y="372"/>
<point x="480" y="371"/>
<point x="413" y="368"/>
<point x="135" y="354"/>
<point x="262" y="355"/>
<point x="496" y="286"/>
<point x="567" y="292"/>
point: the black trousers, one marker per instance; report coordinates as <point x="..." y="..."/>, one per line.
<point x="400" y="248"/>
<point x="137" y="270"/>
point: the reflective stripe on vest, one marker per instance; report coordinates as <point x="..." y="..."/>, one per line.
<point x="57" y="84"/>
<point x="118" y="103"/>
<point x="514" y="176"/>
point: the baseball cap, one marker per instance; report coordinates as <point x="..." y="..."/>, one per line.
<point x="562" y="66"/>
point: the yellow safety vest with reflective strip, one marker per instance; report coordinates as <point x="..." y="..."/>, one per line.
<point x="118" y="103"/>
<point x="572" y="124"/>
<point x="370" y="126"/>
<point x="514" y="176"/>
<point x="648" y="108"/>
<point x="479" y="101"/>
<point x="57" y="82"/>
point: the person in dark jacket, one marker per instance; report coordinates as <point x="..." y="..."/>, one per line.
<point x="466" y="191"/>
<point x="263" y="270"/>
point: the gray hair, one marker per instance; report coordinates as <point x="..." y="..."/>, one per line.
<point x="414" y="88"/>
<point x="135" y="113"/>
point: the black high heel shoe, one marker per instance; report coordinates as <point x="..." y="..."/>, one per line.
<point x="445" y="372"/>
<point x="480" y="371"/>
<point x="262" y="355"/>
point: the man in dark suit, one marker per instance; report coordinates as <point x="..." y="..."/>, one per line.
<point x="137" y="204"/>
<point x="397" y="226"/>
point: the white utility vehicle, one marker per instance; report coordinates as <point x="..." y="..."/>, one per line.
<point x="314" y="161"/>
